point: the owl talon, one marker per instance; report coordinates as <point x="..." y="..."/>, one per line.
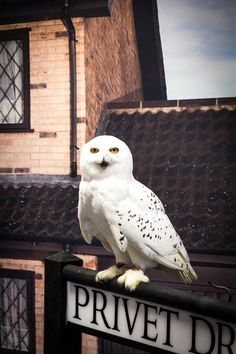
<point x="110" y="273"/>
<point x="132" y="278"/>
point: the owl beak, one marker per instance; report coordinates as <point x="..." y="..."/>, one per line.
<point x="104" y="163"/>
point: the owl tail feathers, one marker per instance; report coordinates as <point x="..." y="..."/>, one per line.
<point x="188" y="275"/>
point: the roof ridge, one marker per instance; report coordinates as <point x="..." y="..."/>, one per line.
<point x="176" y="104"/>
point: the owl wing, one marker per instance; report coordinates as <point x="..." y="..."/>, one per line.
<point x="89" y="229"/>
<point x="85" y="224"/>
<point x="148" y="229"/>
<point x="145" y="198"/>
<point x="84" y="208"/>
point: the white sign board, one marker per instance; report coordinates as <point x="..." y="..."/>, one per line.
<point x="155" y="325"/>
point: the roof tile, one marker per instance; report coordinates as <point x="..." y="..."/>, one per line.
<point x="39" y="213"/>
<point x="189" y="159"/>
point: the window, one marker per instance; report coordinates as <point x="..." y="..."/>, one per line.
<point x="16" y="312"/>
<point x="14" y="80"/>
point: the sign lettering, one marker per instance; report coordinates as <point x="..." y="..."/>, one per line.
<point x="152" y="324"/>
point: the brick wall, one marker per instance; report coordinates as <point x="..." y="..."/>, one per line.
<point x="107" y="69"/>
<point x="112" y="67"/>
<point x="38" y="268"/>
<point x="89" y="343"/>
<point x="46" y="150"/>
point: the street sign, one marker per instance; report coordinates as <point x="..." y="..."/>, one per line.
<point x="153" y="324"/>
<point x="153" y="318"/>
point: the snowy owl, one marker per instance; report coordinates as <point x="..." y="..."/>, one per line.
<point x="126" y="216"/>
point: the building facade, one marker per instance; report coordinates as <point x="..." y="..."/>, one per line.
<point x="104" y="47"/>
<point x="35" y="124"/>
<point x="114" y="95"/>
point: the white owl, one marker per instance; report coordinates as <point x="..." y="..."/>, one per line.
<point x="126" y="216"/>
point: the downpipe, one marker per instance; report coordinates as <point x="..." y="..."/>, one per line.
<point x="73" y="87"/>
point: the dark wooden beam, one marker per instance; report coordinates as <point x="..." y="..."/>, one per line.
<point x="16" y="11"/>
<point x="150" y="50"/>
<point x="41" y="250"/>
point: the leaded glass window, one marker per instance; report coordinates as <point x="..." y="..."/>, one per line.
<point x="11" y="76"/>
<point x="16" y="325"/>
<point x="14" y="80"/>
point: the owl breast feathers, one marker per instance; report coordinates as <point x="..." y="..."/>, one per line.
<point x="126" y="216"/>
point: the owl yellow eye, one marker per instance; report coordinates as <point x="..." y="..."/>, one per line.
<point x="94" y="150"/>
<point x="114" y="150"/>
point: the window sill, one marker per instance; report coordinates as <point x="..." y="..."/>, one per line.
<point x="20" y="130"/>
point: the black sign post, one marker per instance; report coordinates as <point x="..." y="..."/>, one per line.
<point x="153" y="318"/>
<point x="56" y="334"/>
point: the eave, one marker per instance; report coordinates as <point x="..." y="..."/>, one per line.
<point x="150" y="49"/>
<point x="18" y="11"/>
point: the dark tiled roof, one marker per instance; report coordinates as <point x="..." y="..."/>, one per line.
<point x="189" y="159"/>
<point x="39" y="213"/>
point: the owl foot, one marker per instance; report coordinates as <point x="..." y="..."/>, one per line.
<point x="132" y="278"/>
<point x="110" y="273"/>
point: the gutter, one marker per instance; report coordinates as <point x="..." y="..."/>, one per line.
<point x="21" y="11"/>
<point x="73" y="88"/>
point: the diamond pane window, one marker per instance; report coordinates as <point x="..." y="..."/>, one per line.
<point x="14" y="80"/>
<point x="16" y="326"/>
<point x="11" y="74"/>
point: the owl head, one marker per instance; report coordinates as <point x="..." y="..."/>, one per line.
<point x="106" y="156"/>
